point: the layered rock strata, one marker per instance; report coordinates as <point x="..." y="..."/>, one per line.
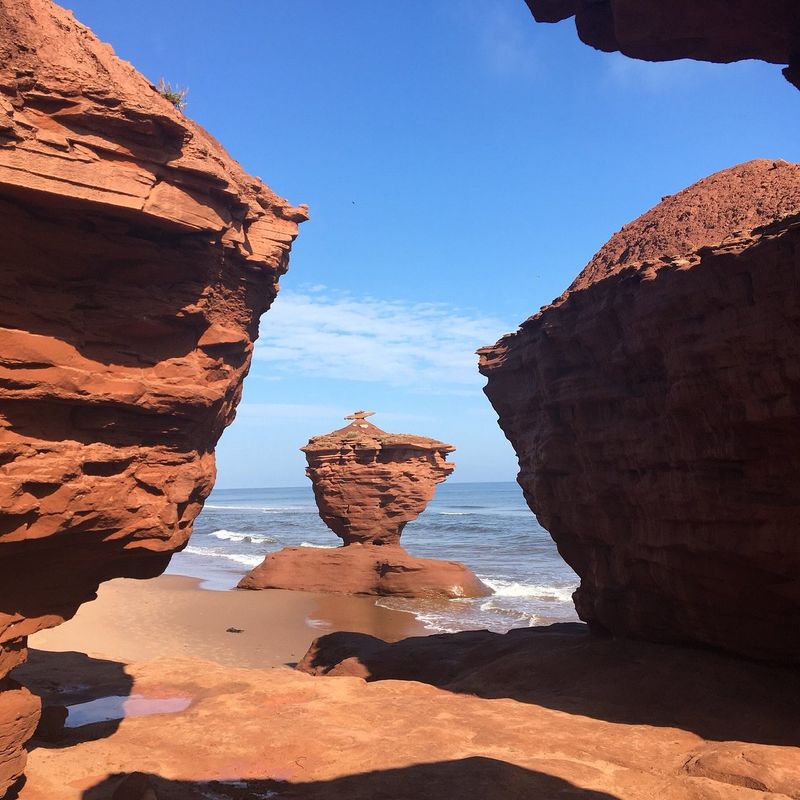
<point x="136" y="262"/>
<point x="368" y="485"/>
<point x="712" y="30"/>
<point x="655" y="410"/>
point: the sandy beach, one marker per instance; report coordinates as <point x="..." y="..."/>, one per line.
<point x="171" y="616"/>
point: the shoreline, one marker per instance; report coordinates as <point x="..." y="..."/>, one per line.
<point x="532" y="584"/>
<point x="172" y="616"/>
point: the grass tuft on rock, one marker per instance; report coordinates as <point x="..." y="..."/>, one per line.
<point x="175" y="94"/>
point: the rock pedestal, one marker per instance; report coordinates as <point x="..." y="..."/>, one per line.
<point x="137" y="258"/>
<point x="368" y="484"/>
<point x="364" y="569"/>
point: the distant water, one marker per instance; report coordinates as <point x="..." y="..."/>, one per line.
<point x="487" y="526"/>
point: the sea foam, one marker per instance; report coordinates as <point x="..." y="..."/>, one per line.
<point x="506" y="588"/>
<point x="235" y="536"/>
<point x="239" y="558"/>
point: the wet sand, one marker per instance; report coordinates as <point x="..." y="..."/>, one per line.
<point x="170" y="616"/>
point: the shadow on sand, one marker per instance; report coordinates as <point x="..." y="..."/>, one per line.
<point x="564" y="667"/>
<point x="476" y="777"/>
<point x="63" y="679"/>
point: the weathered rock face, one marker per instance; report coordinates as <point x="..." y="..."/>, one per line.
<point x="655" y="410"/>
<point x="136" y="261"/>
<point x="712" y="30"/>
<point x="368" y="483"/>
<point x="363" y="569"/>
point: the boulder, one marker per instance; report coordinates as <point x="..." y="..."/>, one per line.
<point x="368" y="483"/>
<point x="655" y="411"/>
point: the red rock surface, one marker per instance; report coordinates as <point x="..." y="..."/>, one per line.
<point x="137" y="259"/>
<point x="711" y="30"/>
<point x="537" y="714"/>
<point x="368" y="484"/>
<point x="655" y="410"/>
<point x="363" y="569"/>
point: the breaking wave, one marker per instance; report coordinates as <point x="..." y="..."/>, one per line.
<point x="505" y="588"/>
<point x="239" y="558"/>
<point x="234" y="536"/>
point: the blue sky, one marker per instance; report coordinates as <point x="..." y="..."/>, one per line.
<point x="461" y="164"/>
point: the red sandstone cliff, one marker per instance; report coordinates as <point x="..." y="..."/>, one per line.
<point x="705" y="30"/>
<point x="136" y="262"/>
<point x="368" y="484"/>
<point x="655" y="410"/>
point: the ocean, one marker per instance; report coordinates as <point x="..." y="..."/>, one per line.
<point x="487" y="526"/>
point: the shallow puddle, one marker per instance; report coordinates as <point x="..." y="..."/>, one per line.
<point x="117" y="706"/>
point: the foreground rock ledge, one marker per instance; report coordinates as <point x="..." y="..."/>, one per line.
<point x="368" y="485"/>
<point x="655" y="410"/>
<point x="537" y="714"/>
<point x="137" y="260"/>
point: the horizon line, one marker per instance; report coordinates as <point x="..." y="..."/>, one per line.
<point x="308" y="485"/>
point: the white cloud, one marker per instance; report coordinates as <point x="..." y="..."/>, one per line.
<point x="427" y="347"/>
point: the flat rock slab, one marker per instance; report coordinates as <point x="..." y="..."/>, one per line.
<point x="364" y="569"/>
<point x="252" y="733"/>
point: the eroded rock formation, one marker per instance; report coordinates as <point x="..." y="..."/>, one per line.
<point x="368" y="485"/>
<point x="655" y="410"/>
<point x="711" y="30"/>
<point x="136" y="262"/>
